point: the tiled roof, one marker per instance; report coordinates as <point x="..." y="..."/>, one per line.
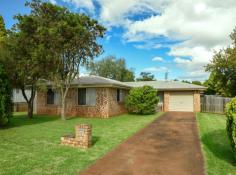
<point x="93" y="80"/>
<point x="97" y="81"/>
<point x="166" y="85"/>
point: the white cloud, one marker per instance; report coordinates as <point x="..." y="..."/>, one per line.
<point x="88" y="4"/>
<point x="188" y="20"/>
<point x="149" y="45"/>
<point x="53" y="1"/>
<point x="117" y="12"/>
<point x="181" y="61"/>
<point x="203" y="25"/>
<point x="157" y="59"/>
<point x="155" y="69"/>
<point x="195" y="75"/>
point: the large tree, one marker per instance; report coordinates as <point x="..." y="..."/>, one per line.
<point x="3" y="31"/>
<point x="211" y="85"/>
<point x="112" y="67"/>
<point x="50" y="43"/>
<point x="5" y="86"/>
<point x="70" y="39"/>
<point x="23" y="58"/>
<point x="223" y="69"/>
<point x="146" y="76"/>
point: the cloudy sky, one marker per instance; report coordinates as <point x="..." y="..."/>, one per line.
<point x="178" y="36"/>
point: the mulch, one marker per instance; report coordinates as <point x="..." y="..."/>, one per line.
<point x="168" y="146"/>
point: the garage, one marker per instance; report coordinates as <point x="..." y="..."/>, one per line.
<point x="181" y="101"/>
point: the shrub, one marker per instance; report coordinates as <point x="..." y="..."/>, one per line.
<point x="231" y="123"/>
<point x="5" y="97"/>
<point x="142" y="100"/>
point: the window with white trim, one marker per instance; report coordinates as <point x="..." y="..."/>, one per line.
<point x="53" y="98"/>
<point x="50" y="97"/>
<point x="87" y="96"/>
<point x="119" y="95"/>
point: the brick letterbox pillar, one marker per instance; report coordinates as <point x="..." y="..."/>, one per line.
<point x="82" y="137"/>
<point x="83" y="134"/>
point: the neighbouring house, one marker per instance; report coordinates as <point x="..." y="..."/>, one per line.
<point x="19" y="102"/>
<point x="94" y="96"/>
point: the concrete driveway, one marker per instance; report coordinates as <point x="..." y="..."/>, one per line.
<point x="168" y="146"/>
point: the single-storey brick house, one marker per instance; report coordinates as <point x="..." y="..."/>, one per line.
<point x="95" y="96"/>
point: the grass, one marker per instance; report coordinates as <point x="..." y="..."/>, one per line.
<point x="33" y="146"/>
<point x="218" y="154"/>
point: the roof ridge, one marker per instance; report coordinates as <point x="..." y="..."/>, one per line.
<point x="109" y="79"/>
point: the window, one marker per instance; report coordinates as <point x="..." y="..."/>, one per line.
<point x="82" y="96"/>
<point x="91" y="96"/>
<point x="87" y="96"/>
<point x="50" y="96"/>
<point x="161" y="97"/>
<point x="119" y="95"/>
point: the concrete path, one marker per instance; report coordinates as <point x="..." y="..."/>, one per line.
<point x="168" y="146"/>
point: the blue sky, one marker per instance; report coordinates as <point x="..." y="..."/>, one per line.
<point x="177" y="36"/>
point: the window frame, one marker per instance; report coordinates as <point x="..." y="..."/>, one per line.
<point x="86" y="96"/>
<point x="78" y="97"/>
<point x="120" y="96"/>
<point x="47" y="99"/>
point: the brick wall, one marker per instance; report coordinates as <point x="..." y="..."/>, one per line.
<point x="197" y="102"/>
<point x="166" y="100"/>
<point x="114" y="107"/>
<point x="20" y="107"/>
<point x="81" y="139"/>
<point x="106" y="104"/>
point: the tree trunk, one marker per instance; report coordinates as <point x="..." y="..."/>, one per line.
<point x="64" y="92"/>
<point x="30" y="109"/>
<point x="63" y="108"/>
<point x="30" y="101"/>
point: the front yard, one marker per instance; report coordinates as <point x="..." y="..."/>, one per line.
<point x="218" y="155"/>
<point x="33" y="146"/>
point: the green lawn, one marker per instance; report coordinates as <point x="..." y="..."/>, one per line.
<point x="33" y="146"/>
<point x="217" y="150"/>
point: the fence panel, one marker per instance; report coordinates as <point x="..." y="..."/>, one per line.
<point x="214" y="104"/>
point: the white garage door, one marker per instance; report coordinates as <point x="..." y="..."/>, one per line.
<point x="181" y="101"/>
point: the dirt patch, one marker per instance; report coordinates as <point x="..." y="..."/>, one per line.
<point x="168" y="146"/>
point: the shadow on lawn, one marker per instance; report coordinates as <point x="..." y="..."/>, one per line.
<point x="95" y="139"/>
<point x="217" y="142"/>
<point x="22" y="120"/>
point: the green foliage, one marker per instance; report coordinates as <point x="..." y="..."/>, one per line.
<point x="3" y="31"/>
<point x="146" y="76"/>
<point x="5" y="97"/>
<point x="142" y="100"/>
<point x="186" y="81"/>
<point x="210" y="84"/>
<point x="219" y="159"/>
<point x="50" y="43"/>
<point x="197" y="82"/>
<point x="231" y="123"/>
<point x="223" y="69"/>
<point x="113" y="68"/>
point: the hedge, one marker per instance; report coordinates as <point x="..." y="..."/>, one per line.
<point x="142" y="100"/>
<point x="231" y="123"/>
<point x="5" y="97"/>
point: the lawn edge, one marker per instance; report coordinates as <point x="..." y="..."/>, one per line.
<point x="201" y="144"/>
